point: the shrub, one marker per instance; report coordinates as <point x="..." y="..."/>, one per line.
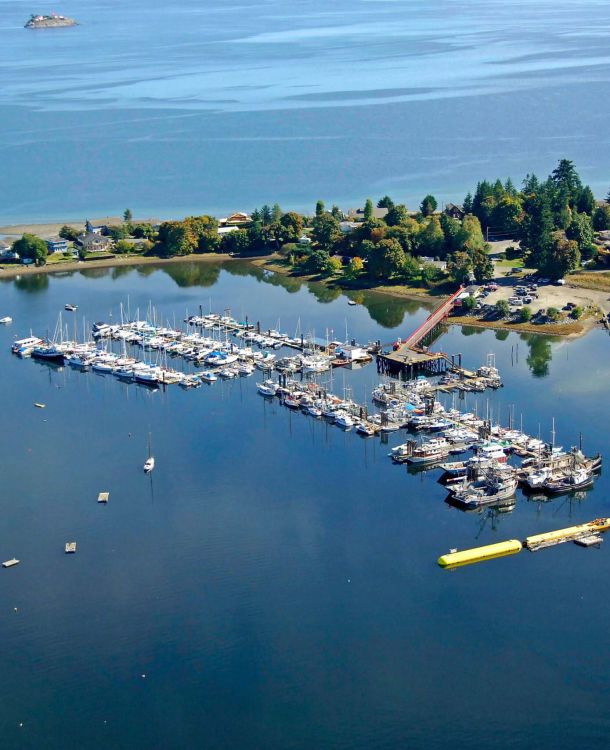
<point x="553" y="313"/>
<point x="525" y="314"/>
<point x="576" y="312"/>
<point x="468" y="304"/>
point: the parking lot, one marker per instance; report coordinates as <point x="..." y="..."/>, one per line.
<point x="539" y="295"/>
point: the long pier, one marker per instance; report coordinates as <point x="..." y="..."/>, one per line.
<point x="411" y="357"/>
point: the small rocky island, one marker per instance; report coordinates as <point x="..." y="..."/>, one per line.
<point x="49" y="22"/>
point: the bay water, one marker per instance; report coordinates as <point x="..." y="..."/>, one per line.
<point x="273" y="584"/>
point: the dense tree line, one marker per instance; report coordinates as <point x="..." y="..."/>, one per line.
<point x="553" y="220"/>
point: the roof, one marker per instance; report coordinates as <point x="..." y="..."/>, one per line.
<point x="358" y="213"/>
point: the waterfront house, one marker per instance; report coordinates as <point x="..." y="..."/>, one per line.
<point x="455" y="212"/>
<point x="6" y="252"/>
<point x="57" y="245"/>
<point x="95" y="243"/>
<point x="357" y="214"/>
<point x="304" y="240"/>
<point x="95" y="229"/>
<point x="347" y="227"/>
<point x="239" y="218"/>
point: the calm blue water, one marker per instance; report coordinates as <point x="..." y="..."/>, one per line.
<point x="276" y="580"/>
<point x="173" y="107"/>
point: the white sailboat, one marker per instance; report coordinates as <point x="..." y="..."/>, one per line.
<point x="149" y="464"/>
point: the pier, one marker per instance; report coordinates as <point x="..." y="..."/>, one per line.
<point x="411" y="357"/>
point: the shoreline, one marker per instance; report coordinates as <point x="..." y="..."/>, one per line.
<point x="12" y="271"/>
<point x="571" y="330"/>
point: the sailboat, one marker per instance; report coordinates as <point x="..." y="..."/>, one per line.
<point x="149" y="464"/>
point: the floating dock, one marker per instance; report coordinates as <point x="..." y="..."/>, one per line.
<point x="585" y="535"/>
<point x="10" y="563"/>
<point x="570" y="534"/>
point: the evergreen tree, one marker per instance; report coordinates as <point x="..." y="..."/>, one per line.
<point x="368" y="210"/>
<point x="385" y="202"/>
<point x="536" y="229"/>
<point x="566" y="179"/>
<point x="467" y="205"/>
<point x="586" y="201"/>
<point x="319" y="208"/>
<point x="428" y="205"/>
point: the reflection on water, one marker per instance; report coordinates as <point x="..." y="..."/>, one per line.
<point x="386" y="310"/>
<point x="193" y="274"/>
<point x="38" y="282"/>
<point x="540" y="353"/>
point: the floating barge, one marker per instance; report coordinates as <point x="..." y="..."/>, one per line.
<point x="479" y="554"/>
<point x="585" y="535"/>
<point x="570" y="534"/>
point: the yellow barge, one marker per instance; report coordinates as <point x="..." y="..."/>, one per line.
<point x="479" y="554"/>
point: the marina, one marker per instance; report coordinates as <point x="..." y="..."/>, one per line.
<point x="491" y="460"/>
<point x="259" y="511"/>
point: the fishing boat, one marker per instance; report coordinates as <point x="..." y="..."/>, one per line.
<point x="48" y="353"/>
<point x="149" y="464"/>
<point x="431" y="452"/>
<point x="292" y="402"/>
<point x="495" y="486"/>
<point x="578" y="479"/>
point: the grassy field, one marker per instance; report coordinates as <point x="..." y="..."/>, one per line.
<point x="568" y="328"/>
<point x="591" y="280"/>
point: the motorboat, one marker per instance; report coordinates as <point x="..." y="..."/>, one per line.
<point x="344" y="420"/>
<point x="71" y="308"/>
<point x="208" y="376"/>
<point x="6" y="319"/>
<point x="268" y="388"/>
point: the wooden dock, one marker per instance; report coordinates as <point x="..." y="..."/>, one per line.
<point x="411" y="357"/>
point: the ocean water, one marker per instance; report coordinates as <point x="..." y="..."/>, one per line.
<point x="273" y="584"/>
<point x="180" y="107"/>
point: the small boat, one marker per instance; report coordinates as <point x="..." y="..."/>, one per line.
<point x="344" y="421"/>
<point x="103" y="497"/>
<point x="208" y="376"/>
<point x="40" y="406"/>
<point x="71" y="308"/>
<point x="149" y="464"/>
<point x="70" y="548"/>
<point x="6" y="319"/>
<point x="351" y="302"/>
<point x="268" y="388"/>
<point x="10" y="563"/>
<point x="366" y="429"/>
<point x="24" y="347"/>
